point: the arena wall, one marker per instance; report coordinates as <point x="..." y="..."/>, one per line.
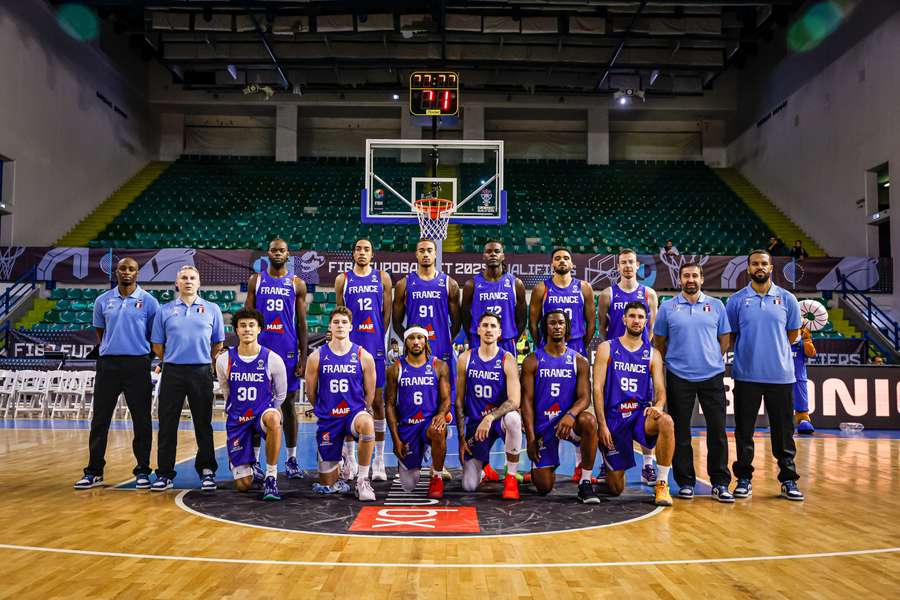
<point x="69" y="148"/>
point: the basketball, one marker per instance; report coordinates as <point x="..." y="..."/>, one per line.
<point x="251" y="251"/>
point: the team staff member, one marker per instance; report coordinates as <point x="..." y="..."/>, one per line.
<point x="765" y="321"/>
<point x="187" y="333"/>
<point x="691" y="334"/>
<point x="123" y="317"/>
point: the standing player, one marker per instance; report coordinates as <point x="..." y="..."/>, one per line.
<point x="254" y="382"/>
<point x="496" y="292"/>
<point x="429" y="299"/>
<point x="564" y="292"/>
<point x="487" y="401"/>
<point x="612" y="307"/>
<point x="340" y="384"/>
<point x="803" y="349"/>
<point x="500" y="293"/>
<point x="556" y="393"/>
<point x="628" y="377"/>
<point x="281" y="298"/>
<point x="417" y="402"/>
<point x="367" y="293"/>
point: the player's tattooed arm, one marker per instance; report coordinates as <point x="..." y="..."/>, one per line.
<point x="589" y="313"/>
<point x="659" y="382"/>
<point x="534" y="310"/>
<point x="453" y="305"/>
<point x="603" y="300"/>
<point x="399" y="307"/>
<point x="312" y="377"/>
<point x="521" y="308"/>
<point x="390" y="401"/>
<point x="439" y="422"/>
<point x="600" y="362"/>
<point x="466" y="310"/>
<point x="250" y="300"/>
<point x="513" y="389"/>
<point x="386" y="308"/>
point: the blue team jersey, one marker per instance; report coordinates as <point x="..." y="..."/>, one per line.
<point x="570" y="300"/>
<point x="427" y="305"/>
<point x="554" y="387"/>
<point x="249" y="387"/>
<point x="497" y="297"/>
<point x="276" y="299"/>
<point x="364" y="296"/>
<point x="417" y="393"/>
<point x="629" y="386"/>
<point x="485" y="385"/>
<point x="800" y="359"/>
<point x="615" y="327"/>
<point x="340" y="391"/>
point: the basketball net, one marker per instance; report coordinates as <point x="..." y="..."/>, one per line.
<point x="434" y="215"/>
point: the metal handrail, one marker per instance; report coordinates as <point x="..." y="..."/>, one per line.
<point x="872" y="313"/>
<point x="21" y="286"/>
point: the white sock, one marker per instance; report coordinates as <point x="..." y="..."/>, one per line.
<point x="663" y="474"/>
<point x="648" y="459"/>
<point x="256" y="451"/>
<point x="349" y="451"/>
<point x="511" y="467"/>
<point x="272" y="471"/>
<point x="379" y="448"/>
<point x="207" y="472"/>
<point x="363" y="473"/>
<point x="292" y="452"/>
<point x="586" y="475"/>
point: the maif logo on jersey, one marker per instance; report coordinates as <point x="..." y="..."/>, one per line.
<point x="276" y="326"/>
<point x="488" y="408"/>
<point x="341" y="410"/>
<point x="553" y="411"/>
<point x="416" y="418"/>
<point x="366" y="326"/>
<point x="246" y="417"/>
<point x="430" y="331"/>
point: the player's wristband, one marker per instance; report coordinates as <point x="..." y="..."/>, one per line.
<point x="568" y="412"/>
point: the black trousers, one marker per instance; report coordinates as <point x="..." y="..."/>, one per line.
<point x="780" y="409"/>
<point x="115" y="375"/>
<point x="195" y="382"/>
<point x="681" y="395"/>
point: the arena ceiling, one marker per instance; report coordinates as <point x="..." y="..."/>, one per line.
<point x="532" y="46"/>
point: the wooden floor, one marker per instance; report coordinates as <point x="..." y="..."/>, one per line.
<point x="841" y="543"/>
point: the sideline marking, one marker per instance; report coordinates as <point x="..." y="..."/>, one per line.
<point x="305" y="563"/>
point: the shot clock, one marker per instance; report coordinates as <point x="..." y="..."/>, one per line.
<point x="433" y="93"/>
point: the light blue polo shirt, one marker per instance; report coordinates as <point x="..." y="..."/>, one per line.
<point x="692" y="336"/>
<point x="762" y="353"/>
<point x="188" y="332"/>
<point x="126" y="321"/>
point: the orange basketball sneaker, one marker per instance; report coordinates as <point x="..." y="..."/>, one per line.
<point x="510" y="488"/>
<point x="436" y="487"/>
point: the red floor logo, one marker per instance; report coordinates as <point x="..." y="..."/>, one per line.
<point x="428" y="519"/>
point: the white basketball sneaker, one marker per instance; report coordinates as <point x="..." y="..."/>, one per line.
<point x="364" y="490"/>
<point x="378" y="471"/>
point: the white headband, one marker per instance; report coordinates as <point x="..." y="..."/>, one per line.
<point x="413" y="330"/>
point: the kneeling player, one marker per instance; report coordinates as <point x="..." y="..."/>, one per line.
<point x="487" y="401"/>
<point x="254" y="382"/>
<point x="628" y="374"/>
<point x="340" y="384"/>
<point x="417" y="401"/>
<point x="555" y="393"/>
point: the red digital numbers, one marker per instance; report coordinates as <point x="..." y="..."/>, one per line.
<point x="433" y="94"/>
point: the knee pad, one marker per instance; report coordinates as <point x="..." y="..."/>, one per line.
<point x="380" y="425"/>
<point x="408" y="478"/>
<point x="472" y="475"/>
<point x="513" y="435"/>
<point x="367" y="437"/>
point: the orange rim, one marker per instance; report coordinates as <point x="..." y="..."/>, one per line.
<point x="433" y="208"/>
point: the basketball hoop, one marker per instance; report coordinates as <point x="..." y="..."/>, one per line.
<point x="434" y="215"/>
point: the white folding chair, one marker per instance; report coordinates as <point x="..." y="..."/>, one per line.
<point x="31" y="393"/>
<point x="7" y="389"/>
<point x="69" y="398"/>
<point x="87" y="400"/>
<point x="55" y="381"/>
<point x="156" y="378"/>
